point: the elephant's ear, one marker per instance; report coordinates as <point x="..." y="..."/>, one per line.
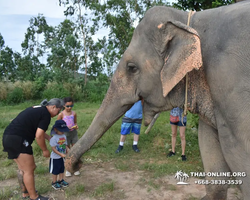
<point x="181" y="50"/>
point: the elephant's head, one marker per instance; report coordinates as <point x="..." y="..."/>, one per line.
<point x="161" y="52"/>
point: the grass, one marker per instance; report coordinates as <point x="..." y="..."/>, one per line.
<point x="152" y="159"/>
<point x="77" y="190"/>
<point x="103" y="188"/>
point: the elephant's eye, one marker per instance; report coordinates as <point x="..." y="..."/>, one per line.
<point x="132" y="68"/>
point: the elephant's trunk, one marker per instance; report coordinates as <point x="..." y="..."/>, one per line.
<point x="109" y="112"/>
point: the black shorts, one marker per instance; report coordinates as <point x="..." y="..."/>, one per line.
<point x="56" y="166"/>
<point x="14" y="145"/>
<point x="179" y="123"/>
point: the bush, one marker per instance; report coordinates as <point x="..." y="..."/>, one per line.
<point x="27" y="87"/>
<point x="28" y="90"/>
<point x="39" y="86"/>
<point x="55" y="90"/>
<point x="194" y="122"/>
<point x="3" y="91"/>
<point x="95" y="91"/>
<point x="16" y="96"/>
<point x="75" y="91"/>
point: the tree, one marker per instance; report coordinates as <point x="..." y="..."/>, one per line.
<point x="64" y="56"/>
<point x="38" y="28"/>
<point x="86" y="27"/>
<point x="27" y="67"/>
<point x="199" y="5"/>
<point x="7" y="65"/>
<point x="1" y="41"/>
<point x="118" y="16"/>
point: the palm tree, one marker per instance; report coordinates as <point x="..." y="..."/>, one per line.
<point x="185" y="177"/>
<point x="178" y="175"/>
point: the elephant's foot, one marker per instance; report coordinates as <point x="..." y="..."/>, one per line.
<point x="215" y="192"/>
<point x="214" y="197"/>
<point x="72" y="165"/>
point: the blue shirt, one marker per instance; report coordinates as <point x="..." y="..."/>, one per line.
<point x="135" y="112"/>
<point x="178" y="112"/>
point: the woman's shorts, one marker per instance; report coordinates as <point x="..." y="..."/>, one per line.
<point x="72" y="137"/>
<point x="14" y="145"/>
<point x="133" y="127"/>
<point x="56" y="166"/>
<point x="179" y="123"/>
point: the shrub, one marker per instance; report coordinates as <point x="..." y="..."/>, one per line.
<point x="55" y="90"/>
<point x="9" y="86"/>
<point x="39" y="86"/>
<point x="28" y="90"/>
<point x="27" y="87"/>
<point x="95" y="91"/>
<point x="194" y="121"/>
<point x="3" y="91"/>
<point x="75" y="91"/>
<point x="16" y="96"/>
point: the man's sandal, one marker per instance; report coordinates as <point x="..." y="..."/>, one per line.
<point x="40" y="198"/>
<point x="25" y="193"/>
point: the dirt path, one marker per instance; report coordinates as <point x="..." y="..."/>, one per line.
<point x="114" y="184"/>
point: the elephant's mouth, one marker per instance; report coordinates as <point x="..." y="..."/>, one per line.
<point x="149" y="111"/>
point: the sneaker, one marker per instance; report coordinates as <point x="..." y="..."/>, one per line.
<point x="119" y="149"/>
<point x="184" y="158"/>
<point x="56" y="186"/>
<point x="135" y="148"/>
<point x="171" y="153"/>
<point x="40" y="197"/>
<point x="67" y="174"/>
<point x="77" y="173"/>
<point x="63" y="183"/>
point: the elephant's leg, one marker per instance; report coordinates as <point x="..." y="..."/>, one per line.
<point x="213" y="161"/>
<point x="235" y="148"/>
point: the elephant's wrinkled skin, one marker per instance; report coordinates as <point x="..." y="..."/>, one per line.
<point x="163" y="49"/>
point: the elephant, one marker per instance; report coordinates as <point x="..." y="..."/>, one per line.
<point x="211" y="58"/>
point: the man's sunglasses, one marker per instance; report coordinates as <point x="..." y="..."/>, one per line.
<point x="69" y="106"/>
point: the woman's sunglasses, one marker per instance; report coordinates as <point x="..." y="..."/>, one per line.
<point x="69" y="106"/>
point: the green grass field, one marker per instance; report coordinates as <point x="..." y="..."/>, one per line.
<point x="152" y="159"/>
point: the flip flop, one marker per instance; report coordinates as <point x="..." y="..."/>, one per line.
<point x="26" y="192"/>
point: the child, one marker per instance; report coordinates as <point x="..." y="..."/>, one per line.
<point x="131" y="122"/>
<point x="59" y="149"/>
<point x="70" y="118"/>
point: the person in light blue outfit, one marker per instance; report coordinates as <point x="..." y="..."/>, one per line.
<point x="131" y="122"/>
<point x="182" y="120"/>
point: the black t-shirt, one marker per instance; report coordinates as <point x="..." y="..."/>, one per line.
<point x="27" y="122"/>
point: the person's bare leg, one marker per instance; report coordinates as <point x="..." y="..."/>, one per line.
<point x="61" y="176"/>
<point x="136" y="137"/>
<point x="183" y="139"/>
<point x="123" y="138"/>
<point x="27" y="165"/>
<point x="54" y="178"/>
<point x="21" y="183"/>
<point x="174" y="134"/>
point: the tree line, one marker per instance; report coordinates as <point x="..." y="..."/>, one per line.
<point x="68" y="52"/>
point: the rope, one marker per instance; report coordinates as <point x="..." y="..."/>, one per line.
<point x="186" y="89"/>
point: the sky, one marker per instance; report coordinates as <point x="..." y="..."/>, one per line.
<point x="15" y="16"/>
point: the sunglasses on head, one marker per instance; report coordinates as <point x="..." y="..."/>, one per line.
<point x="69" y="106"/>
